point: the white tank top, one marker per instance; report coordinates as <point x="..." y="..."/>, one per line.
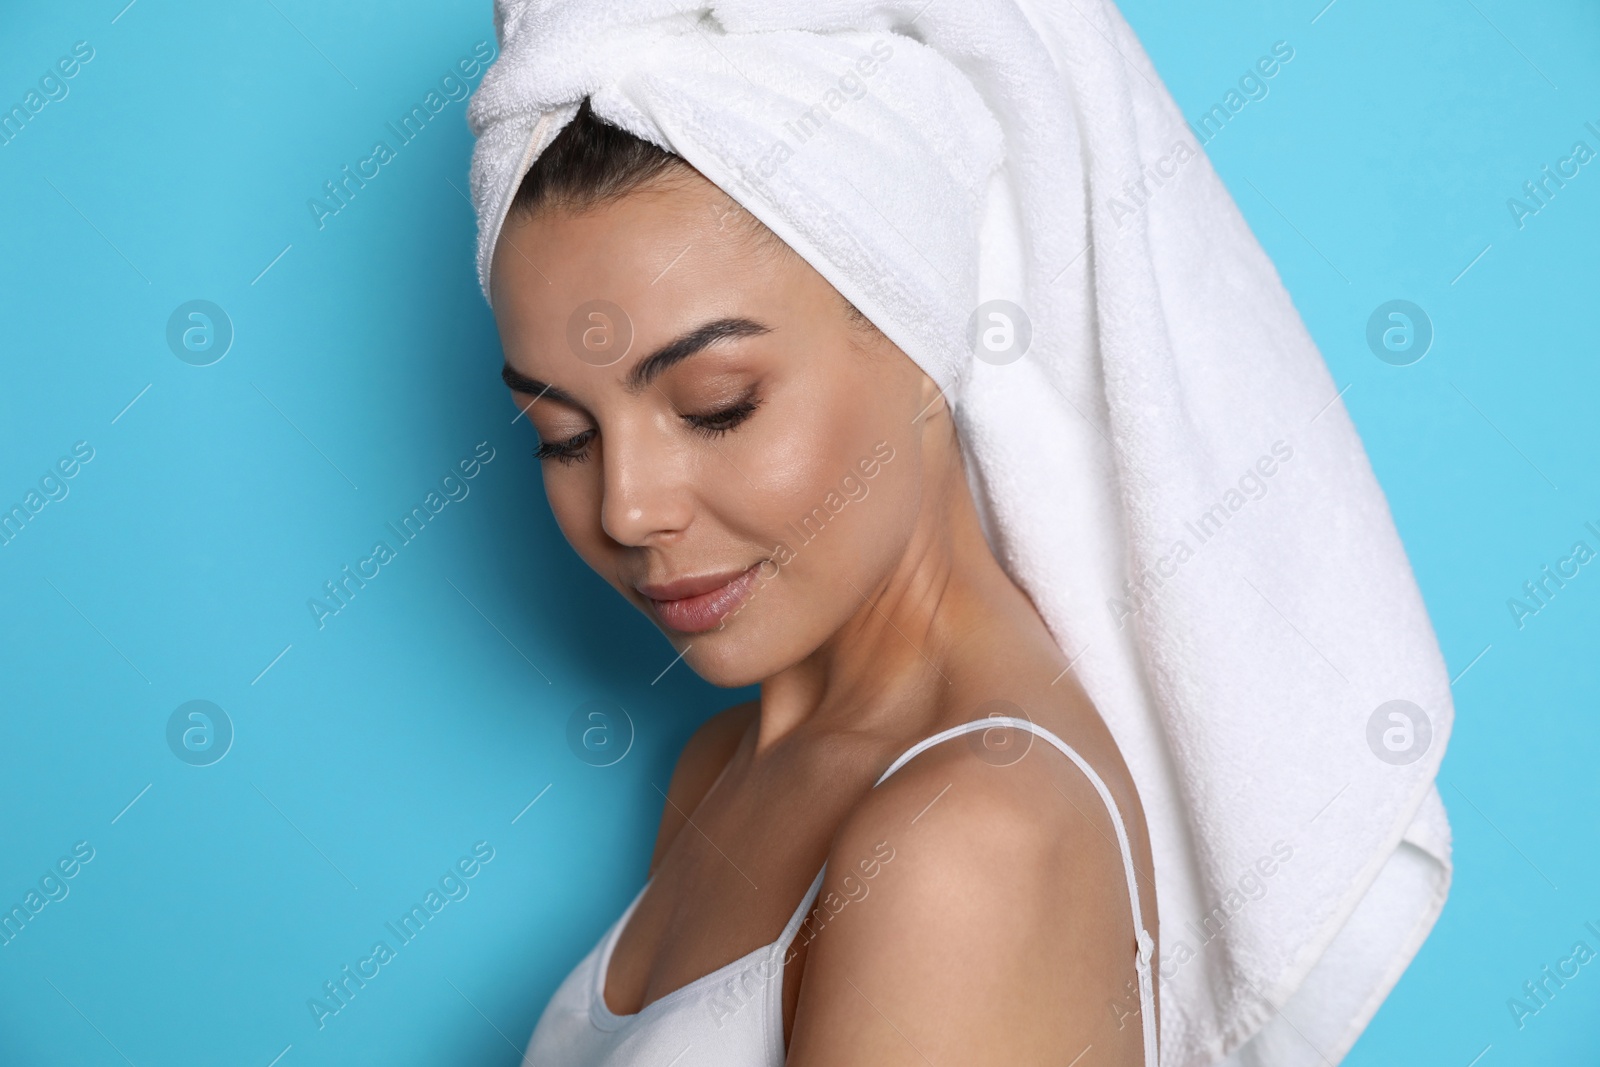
<point x="733" y="1017"/>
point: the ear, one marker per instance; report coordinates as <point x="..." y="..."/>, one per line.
<point x="931" y="399"/>
<point x="935" y="412"/>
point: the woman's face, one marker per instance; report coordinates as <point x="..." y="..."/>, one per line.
<point x="719" y="440"/>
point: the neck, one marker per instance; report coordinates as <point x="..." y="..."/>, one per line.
<point x="892" y="667"/>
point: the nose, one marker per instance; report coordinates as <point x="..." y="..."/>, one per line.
<point x="645" y="498"/>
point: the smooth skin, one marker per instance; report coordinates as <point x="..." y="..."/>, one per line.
<point x="999" y="931"/>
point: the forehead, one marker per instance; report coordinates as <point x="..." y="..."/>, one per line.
<point x="648" y="232"/>
<point x="666" y="256"/>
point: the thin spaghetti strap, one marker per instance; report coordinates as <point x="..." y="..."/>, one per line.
<point x="1144" y="951"/>
<point x="798" y="919"/>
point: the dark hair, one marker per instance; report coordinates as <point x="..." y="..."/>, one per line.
<point x="591" y="162"/>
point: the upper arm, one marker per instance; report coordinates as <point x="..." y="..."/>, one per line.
<point x="999" y="931"/>
<point x="703" y="758"/>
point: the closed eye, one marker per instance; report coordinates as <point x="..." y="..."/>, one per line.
<point x="573" y="450"/>
<point x="716" y="423"/>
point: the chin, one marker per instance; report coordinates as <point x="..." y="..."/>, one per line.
<point x="736" y="649"/>
<point x="746" y="649"/>
<point x="727" y="658"/>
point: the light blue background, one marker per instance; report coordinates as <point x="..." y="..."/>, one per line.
<point x="427" y="714"/>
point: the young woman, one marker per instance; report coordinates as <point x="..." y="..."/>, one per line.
<point x="908" y="359"/>
<point x="782" y="491"/>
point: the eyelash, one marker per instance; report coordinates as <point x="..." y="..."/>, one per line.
<point x="714" y="424"/>
<point x="572" y="450"/>
<point x="721" y="421"/>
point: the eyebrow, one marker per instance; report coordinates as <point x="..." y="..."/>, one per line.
<point x="650" y="367"/>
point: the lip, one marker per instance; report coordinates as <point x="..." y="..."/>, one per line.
<point x="696" y="604"/>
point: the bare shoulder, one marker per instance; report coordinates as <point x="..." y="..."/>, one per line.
<point x="703" y="758"/>
<point x="975" y="909"/>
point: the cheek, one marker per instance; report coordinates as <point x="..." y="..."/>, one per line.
<point x="574" y="497"/>
<point x="808" y="446"/>
<point x="806" y="488"/>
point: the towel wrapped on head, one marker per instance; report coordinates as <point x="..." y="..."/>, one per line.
<point x="1005" y="188"/>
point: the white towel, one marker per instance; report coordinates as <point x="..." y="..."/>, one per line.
<point x="1166" y="469"/>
